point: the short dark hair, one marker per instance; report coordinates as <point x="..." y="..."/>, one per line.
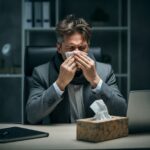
<point x="72" y="24"/>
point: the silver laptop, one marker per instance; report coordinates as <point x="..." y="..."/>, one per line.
<point x="139" y="111"/>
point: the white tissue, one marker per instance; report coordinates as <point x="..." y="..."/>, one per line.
<point x="100" y="110"/>
<point x="68" y="54"/>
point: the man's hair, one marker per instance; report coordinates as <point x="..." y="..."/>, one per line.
<point x="71" y="25"/>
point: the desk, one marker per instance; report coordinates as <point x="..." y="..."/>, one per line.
<point x="63" y="136"/>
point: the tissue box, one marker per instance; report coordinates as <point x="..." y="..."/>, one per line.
<point x="101" y="130"/>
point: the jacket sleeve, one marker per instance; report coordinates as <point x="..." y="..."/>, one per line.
<point x="41" y="101"/>
<point x="111" y="95"/>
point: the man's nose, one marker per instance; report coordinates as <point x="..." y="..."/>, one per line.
<point x="76" y="49"/>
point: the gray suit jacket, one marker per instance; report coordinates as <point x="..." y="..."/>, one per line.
<point x="44" y="105"/>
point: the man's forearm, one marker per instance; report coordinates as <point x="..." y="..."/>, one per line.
<point x="41" y="104"/>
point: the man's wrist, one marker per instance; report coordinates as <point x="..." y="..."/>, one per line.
<point x="95" y="82"/>
<point x="60" y="85"/>
<point x="57" y="89"/>
<point x="98" y="87"/>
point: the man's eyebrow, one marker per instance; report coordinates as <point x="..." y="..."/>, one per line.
<point x="71" y="44"/>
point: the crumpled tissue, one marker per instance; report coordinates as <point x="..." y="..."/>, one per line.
<point x="68" y="54"/>
<point x="100" y="110"/>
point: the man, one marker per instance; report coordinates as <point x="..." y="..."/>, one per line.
<point x="63" y="89"/>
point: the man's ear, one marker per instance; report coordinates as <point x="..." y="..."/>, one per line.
<point x="58" y="47"/>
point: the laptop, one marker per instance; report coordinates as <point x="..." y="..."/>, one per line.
<point x="139" y="111"/>
<point x="13" y="134"/>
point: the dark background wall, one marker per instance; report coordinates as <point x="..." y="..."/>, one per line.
<point x="10" y="86"/>
<point x="140" y="44"/>
<point x="10" y="28"/>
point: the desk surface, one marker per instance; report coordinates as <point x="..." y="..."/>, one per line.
<point x="63" y="136"/>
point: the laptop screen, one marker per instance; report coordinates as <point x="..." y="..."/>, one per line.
<point x="139" y="111"/>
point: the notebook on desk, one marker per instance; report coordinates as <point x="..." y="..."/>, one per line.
<point x="13" y="134"/>
<point x="139" y="111"/>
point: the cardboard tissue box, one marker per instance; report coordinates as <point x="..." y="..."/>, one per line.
<point x="101" y="130"/>
<point x="102" y="126"/>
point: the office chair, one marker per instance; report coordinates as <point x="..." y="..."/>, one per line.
<point x="35" y="56"/>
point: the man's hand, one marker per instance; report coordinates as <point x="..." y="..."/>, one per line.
<point x="67" y="72"/>
<point x="88" y="67"/>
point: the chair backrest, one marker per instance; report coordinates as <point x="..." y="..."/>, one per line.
<point x="36" y="56"/>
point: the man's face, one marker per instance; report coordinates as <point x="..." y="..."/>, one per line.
<point x="74" y="42"/>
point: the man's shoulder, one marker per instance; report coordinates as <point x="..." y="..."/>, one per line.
<point x="103" y="66"/>
<point x="103" y="69"/>
<point x="41" y="73"/>
<point x="42" y="68"/>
